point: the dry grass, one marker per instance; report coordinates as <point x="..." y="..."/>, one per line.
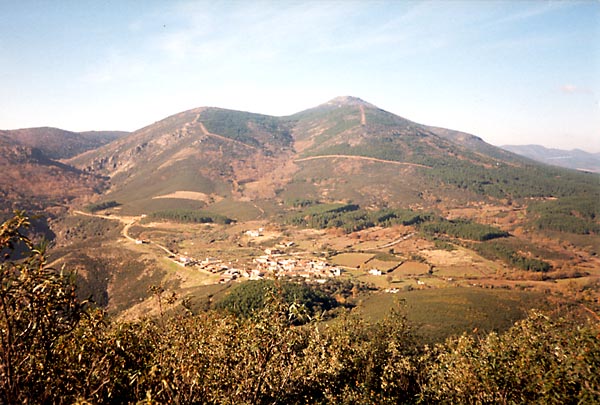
<point x="190" y="195"/>
<point x="354" y="260"/>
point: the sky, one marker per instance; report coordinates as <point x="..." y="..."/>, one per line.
<point x="511" y="72"/>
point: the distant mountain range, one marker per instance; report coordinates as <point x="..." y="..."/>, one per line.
<point x="572" y="159"/>
<point x="245" y="165"/>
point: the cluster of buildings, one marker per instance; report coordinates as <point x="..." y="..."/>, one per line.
<point x="279" y="266"/>
<point x="272" y="264"/>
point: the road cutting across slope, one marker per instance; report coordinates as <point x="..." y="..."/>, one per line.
<point x="366" y="158"/>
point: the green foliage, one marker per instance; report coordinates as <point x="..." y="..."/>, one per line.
<point x="247" y="128"/>
<point x="578" y="214"/>
<point x="247" y="298"/>
<point x="439" y="313"/>
<point x="302" y="202"/>
<point x="101" y="206"/>
<point x="378" y="149"/>
<point x="494" y="250"/>
<point x="351" y="218"/>
<point x="442" y="244"/>
<point x="330" y="208"/>
<point x="508" y="181"/>
<point x="463" y="228"/>
<point x="193" y="216"/>
<point x="536" y="361"/>
<point x="38" y="306"/>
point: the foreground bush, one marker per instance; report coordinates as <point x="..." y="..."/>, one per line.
<point x="537" y="361"/>
<point x="38" y="306"/>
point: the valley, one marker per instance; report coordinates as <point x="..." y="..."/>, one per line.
<point x="343" y="194"/>
<point x="200" y="263"/>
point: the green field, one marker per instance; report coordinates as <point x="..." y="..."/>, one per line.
<point x="238" y="210"/>
<point x="439" y="313"/>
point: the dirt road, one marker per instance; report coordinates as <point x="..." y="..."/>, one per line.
<point x="363" y="119"/>
<point x="128" y="221"/>
<point x="361" y="158"/>
<point x="223" y="138"/>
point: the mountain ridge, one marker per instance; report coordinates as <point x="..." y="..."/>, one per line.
<point x="58" y="143"/>
<point x="576" y="159"/>
<point x="345" y="149"/>
<point x="341" y="150"/>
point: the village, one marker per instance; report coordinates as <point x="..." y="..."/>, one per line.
<point x="274" y="263"/>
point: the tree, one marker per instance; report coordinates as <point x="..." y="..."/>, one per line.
<point x="38" y="305"/>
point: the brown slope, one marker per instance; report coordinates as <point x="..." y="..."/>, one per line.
<point x="57" y="143"/>
<point x="219" y="153"/>
<point x="32" y="181"/>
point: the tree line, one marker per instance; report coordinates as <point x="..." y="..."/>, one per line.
<point x="351" y="218"/>
<point x="191" y="216"/>
<point x="576" y="214"/>
<point x="103" y="205"/>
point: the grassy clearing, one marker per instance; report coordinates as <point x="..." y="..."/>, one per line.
<point x="410" y="269"/>
<point x="377" y="281"/>
<point x="144" y="206"/>
<point x="439" y="313"/>
<point x="384" y="266"/>
<point x="354" y="260"/>
<point x="238" y="210"/>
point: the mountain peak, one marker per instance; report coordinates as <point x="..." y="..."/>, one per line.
<point x="349" y="101"/>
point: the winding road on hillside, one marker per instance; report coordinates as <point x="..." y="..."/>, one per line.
<point x="361" y="158"/>
<point x="223" y="138"/>
<point x="128" y="221"/>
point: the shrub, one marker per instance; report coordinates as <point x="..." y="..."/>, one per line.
<point x="537" y="361"/>
<point x="102" y="206"/>
<point x="38" y="306"/>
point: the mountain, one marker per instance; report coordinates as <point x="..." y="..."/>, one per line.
<point x="33" y="174"/>
<point x="57" y="143"/>
<point x="31" y="180"/>
<point x="213" y="153"/>
<point x="572" y="159"/>
<point x="343" y="150"/>
<point x="475" y="144"/>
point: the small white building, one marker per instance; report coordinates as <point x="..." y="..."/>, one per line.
<point x="210" y="260"/>
<point x="185" y="261"/>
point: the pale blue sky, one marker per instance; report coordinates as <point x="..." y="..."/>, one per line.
<point x="512" y="72"/>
